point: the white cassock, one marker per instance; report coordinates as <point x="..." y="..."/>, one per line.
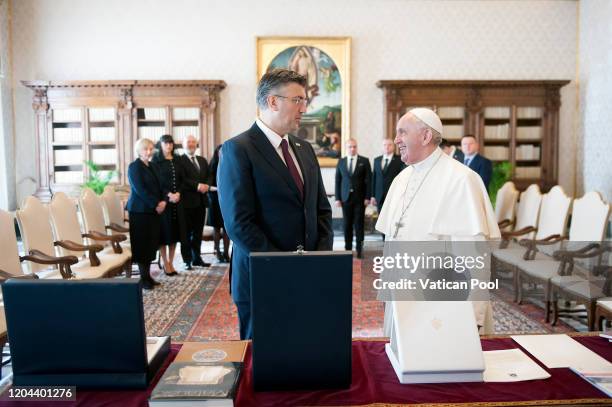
<point x="451" y="204"/>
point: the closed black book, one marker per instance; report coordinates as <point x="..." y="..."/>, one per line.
<point x="197" y="384"/>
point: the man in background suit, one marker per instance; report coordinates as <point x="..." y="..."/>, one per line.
<point x="386" y="168"/>
<point x="353" y="193"/>
<point x="451" y="150"/>
<point x="475" y="161"/>
<point x="271" y="191"/>
<point x="194" y="199"/>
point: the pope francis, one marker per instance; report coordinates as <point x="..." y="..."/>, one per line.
<point x="435" y="197"/>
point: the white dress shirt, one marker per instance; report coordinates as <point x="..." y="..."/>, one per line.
<point x="386" y="157"/>
<point x="275" y="140"/>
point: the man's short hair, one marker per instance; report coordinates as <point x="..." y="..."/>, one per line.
<point x="274" y="79"/>
<point x="444" y="143"/>
<point x="468" y="135"/>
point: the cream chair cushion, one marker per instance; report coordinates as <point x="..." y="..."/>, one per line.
<point x="66" y="226"/>
<point x="505" y="202"/>
<point x="606" y="303"/>
<point x="528" y="209"/>
<point x="9" y="260"/>
<point x="2" y="322"/>
<point x="93" y="218"/>
<point x="589" y="218"/>
<point x="113" y="211"/>
<point x="65" y="222"/>
<point x="36" y="232"/>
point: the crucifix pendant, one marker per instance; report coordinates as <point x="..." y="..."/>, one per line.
<point x="397" y="226"/>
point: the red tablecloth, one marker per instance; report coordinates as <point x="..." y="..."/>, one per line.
<point x="375" y="382"/>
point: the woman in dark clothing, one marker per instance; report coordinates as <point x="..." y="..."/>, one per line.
<point x="172" y="220"/>
<point x="144" y="205"/>
<point x="215" y="219"/>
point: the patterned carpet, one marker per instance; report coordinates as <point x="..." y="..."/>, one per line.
<point x="196" y="306"/>
<point x="174" y="307"/>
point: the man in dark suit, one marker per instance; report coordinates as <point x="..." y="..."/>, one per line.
<point x="475" y="161"/>
<point x="451" y="150"/>
<point x="386" y="168"/>
<point x="270" y="187"/>
<point x="194" y="200"/>
<point x="353" y="193"/>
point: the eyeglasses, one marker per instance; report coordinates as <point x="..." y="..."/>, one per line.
<point x="298" y="100"/>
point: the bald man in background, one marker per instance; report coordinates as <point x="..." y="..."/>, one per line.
<point x="194" y="201"/>
<point x="386" y="168"/>
<point x="353" y="193"/>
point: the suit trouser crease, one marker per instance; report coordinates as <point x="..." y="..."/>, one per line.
<point x="353" y="212"/>
<point x="194" y="225"/>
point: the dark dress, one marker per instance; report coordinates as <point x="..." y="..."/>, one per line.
<point x="215" y="219"/>
<point x="172" y="219"/>
<point x="145" y="194"/>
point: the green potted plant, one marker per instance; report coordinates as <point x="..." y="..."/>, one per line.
<point x="502" y="173"/>
<point x="97" y="180"/>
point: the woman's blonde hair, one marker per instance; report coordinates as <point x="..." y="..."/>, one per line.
<point x="140" y="144"/>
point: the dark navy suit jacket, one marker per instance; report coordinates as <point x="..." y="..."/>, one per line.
<point x="483" y="167"/>
<point x="145" y="189"/>
<point x="381" y="180"/>
<point x="262" y="207"/>
<point x="458" y="155"/>
<point x="359" y="183"/>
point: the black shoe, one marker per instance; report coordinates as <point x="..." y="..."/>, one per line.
<point x="147" y="284"/>
<point x="174" y="273"/>
<point x="200" y="263"/>
<point x="188" y="266"/>
<point x="221" y="258"/>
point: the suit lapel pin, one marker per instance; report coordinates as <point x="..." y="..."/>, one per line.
<point x="298" y="144"/>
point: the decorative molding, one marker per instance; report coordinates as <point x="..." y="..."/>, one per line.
<point x="40" y="101"/>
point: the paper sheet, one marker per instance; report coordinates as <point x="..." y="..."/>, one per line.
<point x="562" y="351"/>
<point x="511" y="365"/>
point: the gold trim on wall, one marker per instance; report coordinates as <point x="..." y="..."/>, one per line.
<point x="338" y="48"/>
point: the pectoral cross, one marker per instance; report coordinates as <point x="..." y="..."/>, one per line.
<point x="398" y="225"/>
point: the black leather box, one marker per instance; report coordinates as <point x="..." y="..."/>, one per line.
<point x="87" y="333"/>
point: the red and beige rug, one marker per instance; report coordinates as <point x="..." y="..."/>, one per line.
<point x="196" y="306"/>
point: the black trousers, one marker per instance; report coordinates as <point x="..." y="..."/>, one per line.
<point x="353" y="213"/>
<point x="194" y="225"/>
<point x="379" y="207"/>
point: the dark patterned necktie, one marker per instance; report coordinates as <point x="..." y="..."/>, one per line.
<point x="386" y="164"/>
<point x="195" y="163"/>
<point x="292" y="168"/>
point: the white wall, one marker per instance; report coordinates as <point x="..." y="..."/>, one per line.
<point x="392" y="39"/>
<point x="595" y="127"/>
<point x="7" y="141"/>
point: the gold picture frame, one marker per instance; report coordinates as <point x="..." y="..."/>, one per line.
<point x="326" y="62"/>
